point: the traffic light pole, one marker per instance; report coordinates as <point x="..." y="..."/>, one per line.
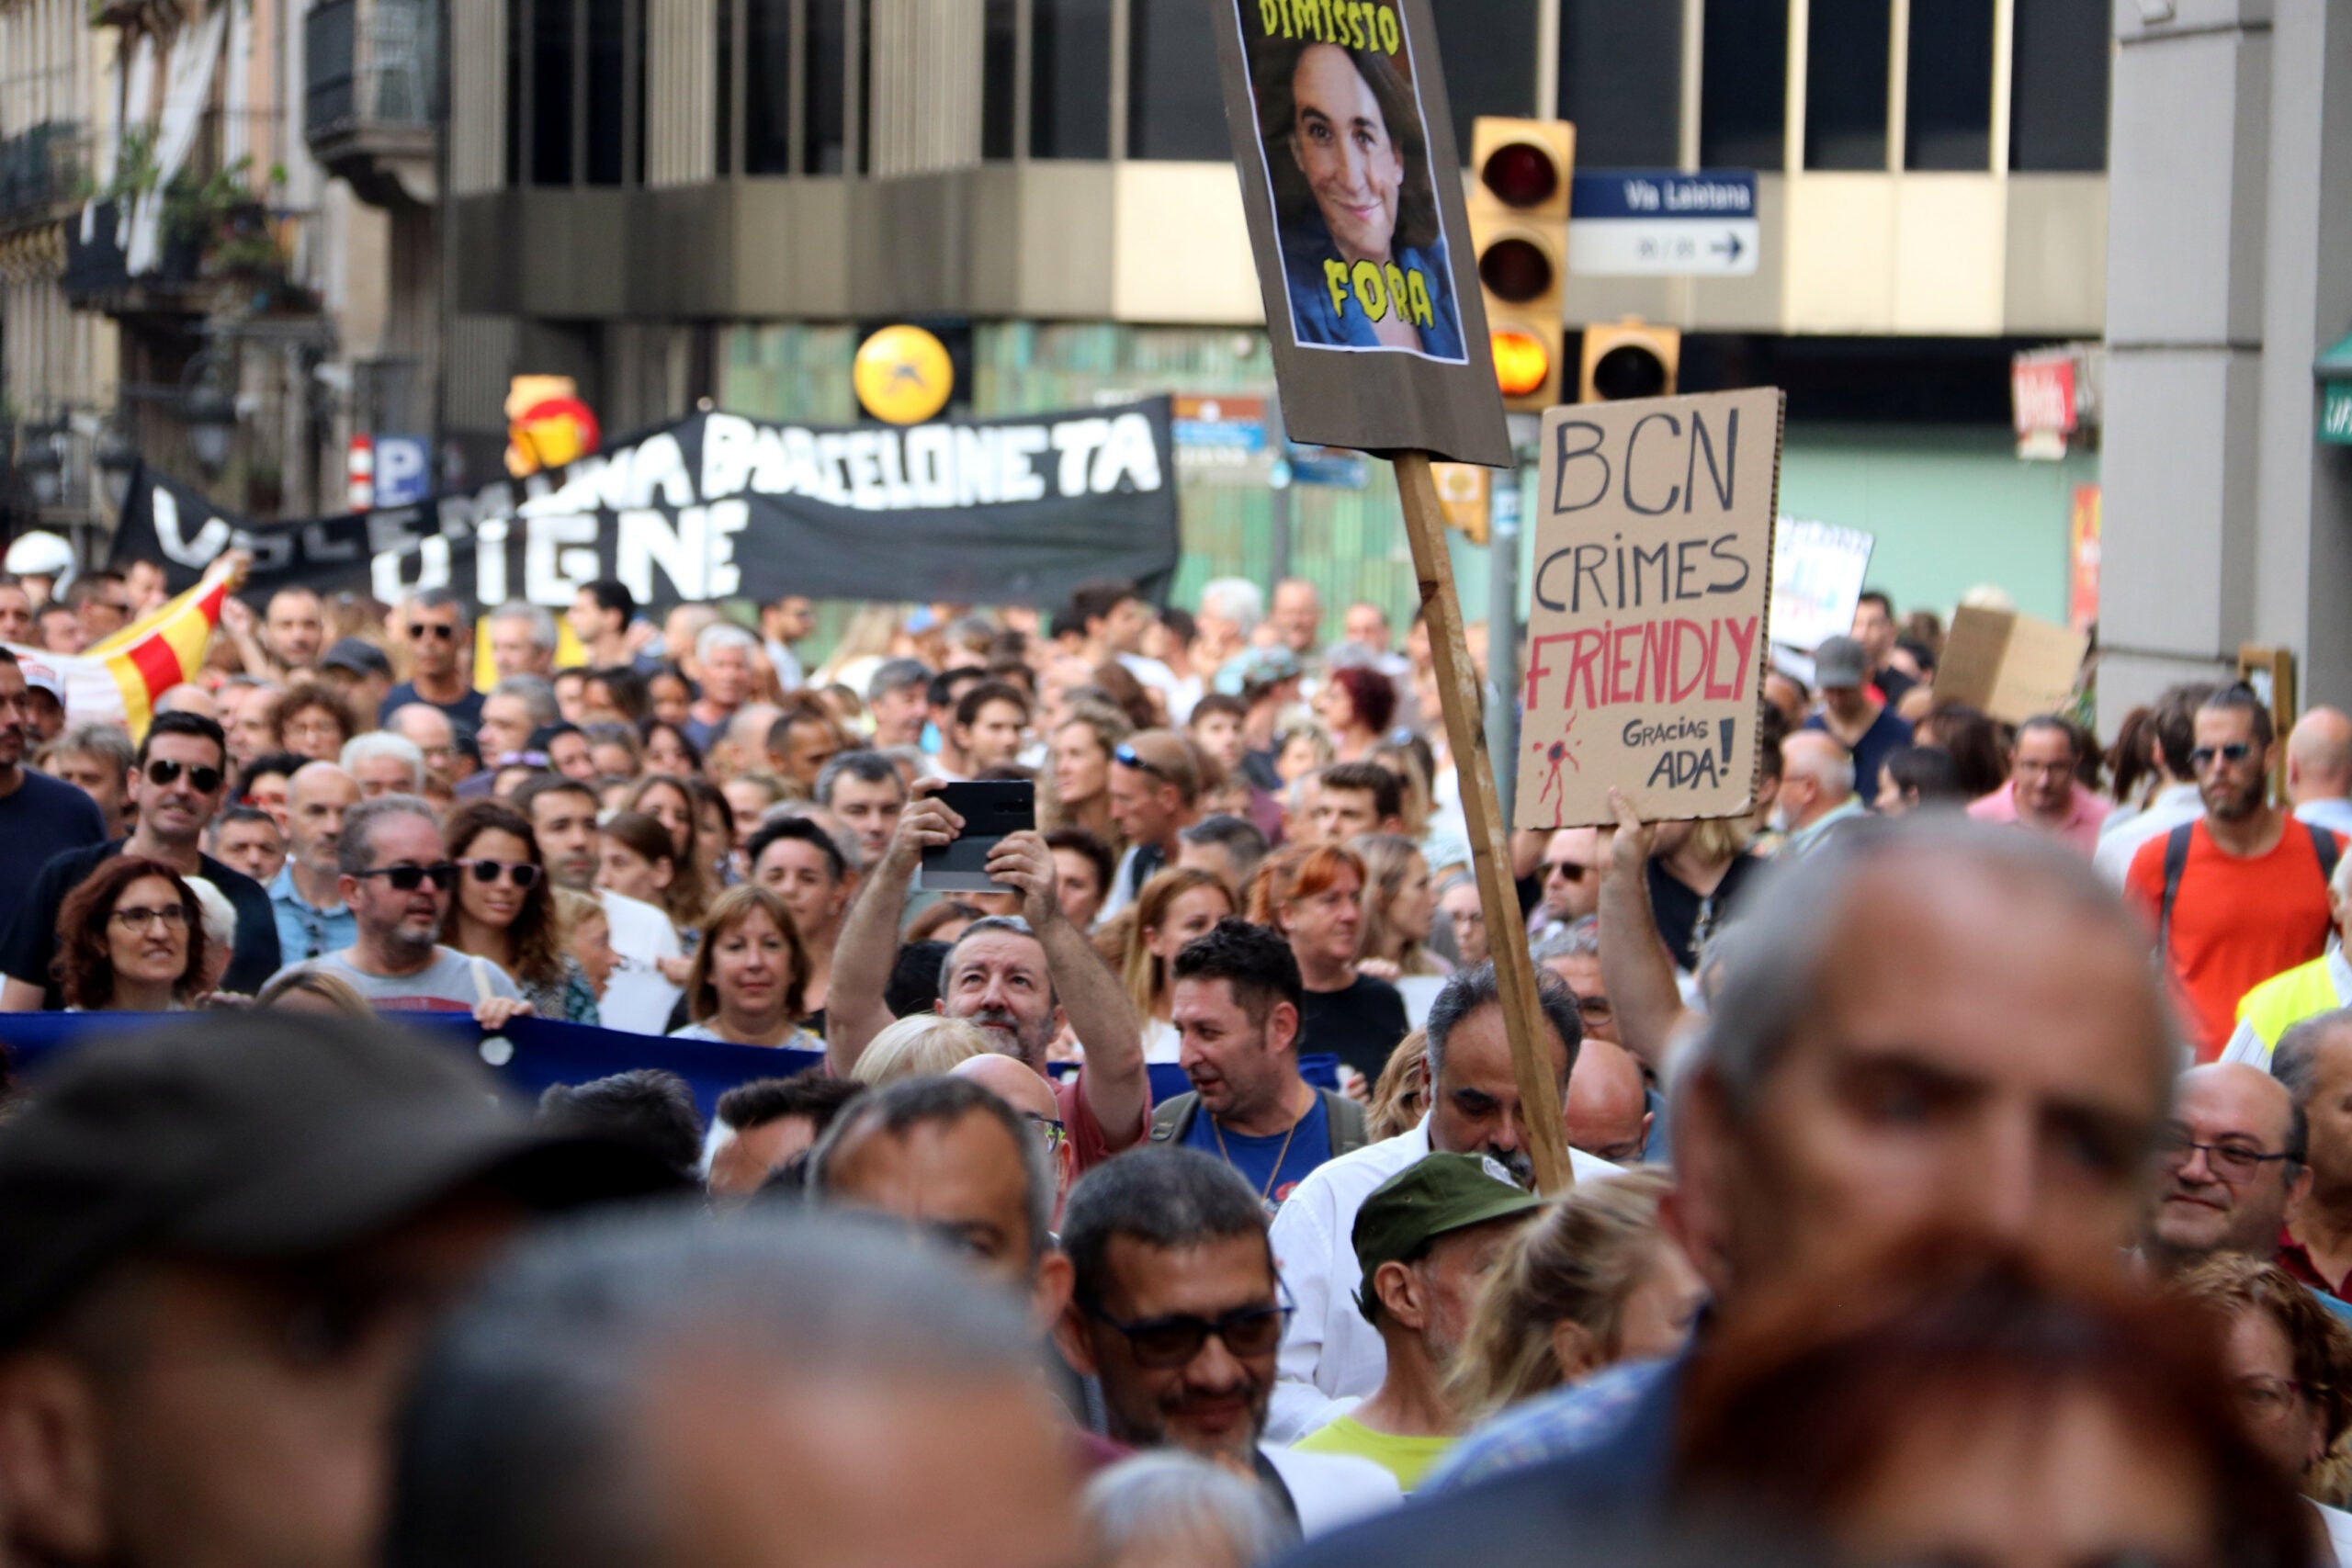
<point x="1489" y="828"/>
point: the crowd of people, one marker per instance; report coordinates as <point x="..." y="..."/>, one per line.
<point x="1961" y="1144"/>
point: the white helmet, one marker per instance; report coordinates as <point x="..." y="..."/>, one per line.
<point x="43" y="554"/>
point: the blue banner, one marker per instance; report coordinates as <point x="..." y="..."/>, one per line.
<point x="531" y="1052"/>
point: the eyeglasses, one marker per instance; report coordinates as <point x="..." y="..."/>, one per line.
<point x="408" y="879"/>
<point x="1161" y="1343"/>
<point x="164" y="774"/>
<point x="1052" y="1132"/>
<point x="419" y="630"/>
<point x="2234" y="753"/>
<point x="2268" y="1398"/>
<point x="2232" y="1162"/>
<point x="521" y="872"/>
<point x="1128" y="757"/>
<point x="137" y="917"/>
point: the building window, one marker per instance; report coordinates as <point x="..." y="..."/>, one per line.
<point x="1175" y="98"/>
<point x="2058" y="87"/>
<point x="1621" y="75"/>
<point x="1948" y="85"/>
<point x="553" y="51"/>
<point x="767" y="86"/>
<point x="1744" y="84"/>
<point x="1846" y="83"/>
<point x="1070" y="79"/>
<point x="1000" y="79"/>
<point x="1488" y="49"/>
<point x="825" y="86"/>
<point x="607" y="100"/>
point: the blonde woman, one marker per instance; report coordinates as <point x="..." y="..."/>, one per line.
<point x="922" y="1046"/>
<point x="1174" y="907"/>
<point x="1594" y="1281"/>
<point x="1399" y="903"/>
<point x="1076" y="791"/>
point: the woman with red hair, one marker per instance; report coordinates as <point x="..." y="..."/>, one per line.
<point x="130" y="939"/>
<point x="1313" y="894"/>
<point x="1357" y="704"/>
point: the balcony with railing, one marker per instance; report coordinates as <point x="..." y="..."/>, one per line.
<point x="41" y="173"/>
<point x="372" y="72"/>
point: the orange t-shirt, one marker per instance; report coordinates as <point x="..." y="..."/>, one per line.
<point x="2235" y="922"/>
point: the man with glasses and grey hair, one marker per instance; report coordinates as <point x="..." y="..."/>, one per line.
<point x="1928" y="1028"/>
<point x="1176" y="1310"/>
<point x="396" y="881"/>
<point x="2234" y="1161"/>
<point x="440" y="641"/>
<point x="522" y="640"/>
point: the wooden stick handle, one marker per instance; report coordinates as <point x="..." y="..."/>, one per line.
<point x="1531" y="1039"/>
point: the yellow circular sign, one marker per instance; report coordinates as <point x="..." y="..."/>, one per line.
<point x="902" y="375"/>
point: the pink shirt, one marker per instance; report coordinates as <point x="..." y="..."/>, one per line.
<point x="2079" y="832"/>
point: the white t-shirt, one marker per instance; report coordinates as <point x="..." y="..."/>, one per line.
<point x="453" y="982"/>
<point x="1332" y="1490"/>
<point x="1329" y="1352"/>
<point x="2339" y="1533"/>
<point x="639" y="998"/>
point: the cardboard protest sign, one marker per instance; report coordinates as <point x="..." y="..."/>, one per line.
<point x="1352" y="185"/>
<point x="2008" y="665"/>
<point x="1648" y="630"/>
<point x="1817" y="571"/>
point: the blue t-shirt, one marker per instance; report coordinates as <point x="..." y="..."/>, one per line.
<point x="1886" y="735"/>
<point x="1310" y="1145"/>
<point x="40" y="818"/>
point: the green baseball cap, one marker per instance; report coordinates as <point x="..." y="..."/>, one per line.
<point x="1436" y="1194"/>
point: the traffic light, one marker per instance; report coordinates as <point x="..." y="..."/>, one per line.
<point x="1631" y="359"/>
<point x="1519" y="226"/>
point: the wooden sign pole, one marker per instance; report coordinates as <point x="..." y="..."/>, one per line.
<point x="1531" y="1040"/>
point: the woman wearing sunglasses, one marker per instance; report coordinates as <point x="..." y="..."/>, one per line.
<point x="505" y="910"/>
<point x="129" y="940"/>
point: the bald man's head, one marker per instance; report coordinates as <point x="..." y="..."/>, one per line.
<point x="2319" y="757"/>
<point x="2233" y="1160"/>
<point x="1816" y="776"/>
<point x="1608" y="1105"/>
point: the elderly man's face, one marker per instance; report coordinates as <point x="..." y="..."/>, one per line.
<point x="2225" y="1187"/>
<point x="1001" y="984"/>
<point x="1982" y="1054"/>
<point x="514" y="650"/>
<point x="1474" y="1105"/>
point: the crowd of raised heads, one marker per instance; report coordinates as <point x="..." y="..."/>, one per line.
<point x="1960" y="1146"/>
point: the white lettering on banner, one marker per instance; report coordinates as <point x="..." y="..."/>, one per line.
<point x="975" y="466"/>
<point x="1016" y="478"/>
<point x="1076" y="440"/>
<point x="1129" y="451"/>
<point x="209" y="541"/>
<point x="864" y="466"/>
<point x="490" y="561"/>
<point x="432" y="556"/>
<point x="729" y="448"/>
<point x="728" y="518"/>
<point x="558" y="557"/>
<point x="697" y="557"/>
<point x="930" y="465"/>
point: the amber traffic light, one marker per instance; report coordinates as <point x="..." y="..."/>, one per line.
<point x="1629" y="359"/>
<point x="1518" y="228"/>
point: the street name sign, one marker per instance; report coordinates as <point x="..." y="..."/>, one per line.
<point x="1662" y="223"/>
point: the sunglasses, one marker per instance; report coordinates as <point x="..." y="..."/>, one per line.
<point x="163" y="774"/>
<point x="521" y="872"/>
<point x="418" y="630"/>
<point x="1128" y="757"/>
<point x="1161" y="1343"/>
<point x="1567" y="870"/>
<point x="408" y="879"/>
<point x="2234" y="753"/>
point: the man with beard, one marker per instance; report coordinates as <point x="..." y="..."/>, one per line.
<point x="1176" y="1310"/>
<point x="639" y="995"/>
<point x="1018" y="978"/>
<point x="396" y="879"/>
<point x="1329" y="1352"/>
<point x="2239" y="895"/>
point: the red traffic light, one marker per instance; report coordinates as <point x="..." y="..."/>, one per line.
<point x="1516" y="270"/>
<point x="1521" y="363"/>
<point x="1520" y="174"/>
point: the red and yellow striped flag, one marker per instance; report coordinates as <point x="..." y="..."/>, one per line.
<point x="119" y="677"/>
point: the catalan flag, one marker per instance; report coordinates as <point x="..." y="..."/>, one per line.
<point x="120" y="678"/>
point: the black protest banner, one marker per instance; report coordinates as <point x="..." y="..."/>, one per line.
<point x="1352" y="186"/>
<point x="719" y="506"/>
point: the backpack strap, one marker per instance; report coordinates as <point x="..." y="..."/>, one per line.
<point x="1345" y="1122"/>
<point x="2328" y="847"/>
<point x="1173" y="1118"/>
<point x="2175" y="862"/>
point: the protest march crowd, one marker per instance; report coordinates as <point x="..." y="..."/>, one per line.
<point x="1961" y="1144"/>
